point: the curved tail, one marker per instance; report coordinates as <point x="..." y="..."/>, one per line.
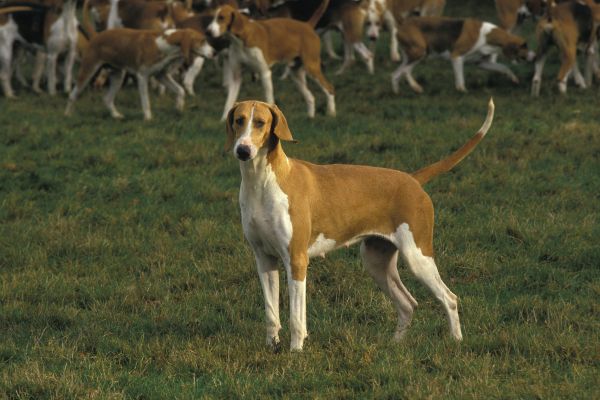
<point x="424" y="175"/>
<point x="87" y="25"/>
<point x="12" y="9"/>
<point x="314" y="20"/>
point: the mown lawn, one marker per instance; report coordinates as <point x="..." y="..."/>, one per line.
<point x="124" y="272"/>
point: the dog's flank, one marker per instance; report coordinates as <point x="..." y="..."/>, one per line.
<point x="294" y="210"/>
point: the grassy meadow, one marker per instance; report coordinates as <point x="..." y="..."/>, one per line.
<point x="124" y="272"/>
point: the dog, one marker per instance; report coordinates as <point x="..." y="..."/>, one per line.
<point x="262" y="43"/>
<point x="294" y="210"/>
<point x="460" y="39"/>
<point x="49" y="29"/>
<point x="143" y="53"/>
<point x="134" y="14"/>
<point x="346" y="16"/>
<point x="386" y="12"/>
<point x="512" y="13"/>
<point x="568" y="25"/>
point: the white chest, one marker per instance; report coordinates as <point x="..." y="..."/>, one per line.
<point x="265" y="214"/>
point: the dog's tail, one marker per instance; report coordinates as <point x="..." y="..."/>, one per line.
<point x="12" y="9"/>
<point x="88" y="26"/>
<point x="314" y="20"/>
<point x="424" y="175"/>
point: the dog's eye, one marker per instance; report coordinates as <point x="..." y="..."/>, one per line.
<point x="259" y="123"/>
<point x="239" y="121"/>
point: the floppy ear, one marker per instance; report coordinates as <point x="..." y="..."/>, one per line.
<point x="279" y="125"/>
<point x="236" y="25"/>
<point x="229" y="128"/>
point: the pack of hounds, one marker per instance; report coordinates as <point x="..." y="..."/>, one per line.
<point x="165" y="43"/>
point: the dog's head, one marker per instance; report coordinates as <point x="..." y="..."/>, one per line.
<point x="516" y="49"/>
<point x="253" y="125"/>
<point x="374" y="18"/>
<point x="226" y="19"/>
<point x="192" y="43"/>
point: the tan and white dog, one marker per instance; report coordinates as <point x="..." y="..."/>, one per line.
<point x="261" y="43"/>
<point x="293" y="210"/>
<point x="386" y="12"/>
<point x="459" y="39"/>
<point x="143" y="53"/>
<point x="568" y="26"/>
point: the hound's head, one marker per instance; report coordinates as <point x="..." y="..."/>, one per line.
<point x="253" y="125"/>
<point x="226" y="19"/>
<point x="516" y="49"/>
<point x="192" y="43"/>
<point x="374" y="18"/>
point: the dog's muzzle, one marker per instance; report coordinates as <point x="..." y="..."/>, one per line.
<point x="242" y="152"/>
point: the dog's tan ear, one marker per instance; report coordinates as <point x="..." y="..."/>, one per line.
<point x="279" y="125"/>
<point x="236" y="25"/>
<point x="229" y="128"/>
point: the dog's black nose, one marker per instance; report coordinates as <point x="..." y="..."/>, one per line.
<point x="243" y="152"/>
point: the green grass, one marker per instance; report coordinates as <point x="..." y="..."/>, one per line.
<point x="124" y="272"/>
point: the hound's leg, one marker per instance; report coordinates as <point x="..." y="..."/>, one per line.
<point x="366" y="55"/>
<point x="536" y="82"/>
<point x="297" y="292"/>
<point x="459" y="75"/>
<point x="116" y="81"/>
<point x="425" y="270"/>
<point x="579" y="79"/>
<point x="142" y="81"/>
<point x="348" y="58"/>
<point x="190" y="75"/>
<point x="269" y="281"/>
<point x="86" y="73"/>
<point x="500" y="68"/>
<point x="38" y="70"/>
<point x="328" y="44"/>
<point x="51" y="72"/>
<point x="68" y="67"/>
<point x="380" y="259"/>
<point x="299" y="78"/>
<point x="169" y="82"/>
<point x="267" y="83"/>
<point x="232" y="77"/>
<point x="391" y="24"/>
<point x="6" y="51"/>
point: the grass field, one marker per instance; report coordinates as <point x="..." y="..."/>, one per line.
<point x="124" y="272"/>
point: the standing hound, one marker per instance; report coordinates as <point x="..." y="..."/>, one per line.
<point x="262" y="43"/>
<point x="294" y="210"/>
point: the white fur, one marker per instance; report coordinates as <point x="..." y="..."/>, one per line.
<point x="321" y="246"/>
<point x="214" y="28"/>
<point x="114" y="20"/>
<point x="8" y="34"/>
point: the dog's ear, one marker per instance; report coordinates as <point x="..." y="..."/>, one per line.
<point x="236" y="25"/>
<point x="279" y="125"/>
<point x="229" y="128"/>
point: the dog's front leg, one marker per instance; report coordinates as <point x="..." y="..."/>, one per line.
<point x="51" y="72"/>
<point x="268" y="274"/>
<point x="232" y="78"/>
<point x="459" y="76"/>
<point x="296" y="271"/>
<point x="267" y="83"/>
<point x="142" y="81"/>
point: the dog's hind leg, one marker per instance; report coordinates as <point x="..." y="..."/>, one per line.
<point x="425" y="270"/>
<point x="380" y="259"/>
<point x="116" y="81"/>
<point x="142" y="82"/>
<point x="299" y="78"/>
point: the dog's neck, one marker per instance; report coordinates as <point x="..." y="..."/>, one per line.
<point x="256" y="172"/>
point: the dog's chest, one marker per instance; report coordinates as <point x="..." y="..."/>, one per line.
<point x="265" y="214"/>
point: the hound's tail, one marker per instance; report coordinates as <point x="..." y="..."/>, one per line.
<point x="88" y="26"/>
<point x="12" y="9"/>
<point x="314" y="20"/>
<point x="424" y="175"/>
